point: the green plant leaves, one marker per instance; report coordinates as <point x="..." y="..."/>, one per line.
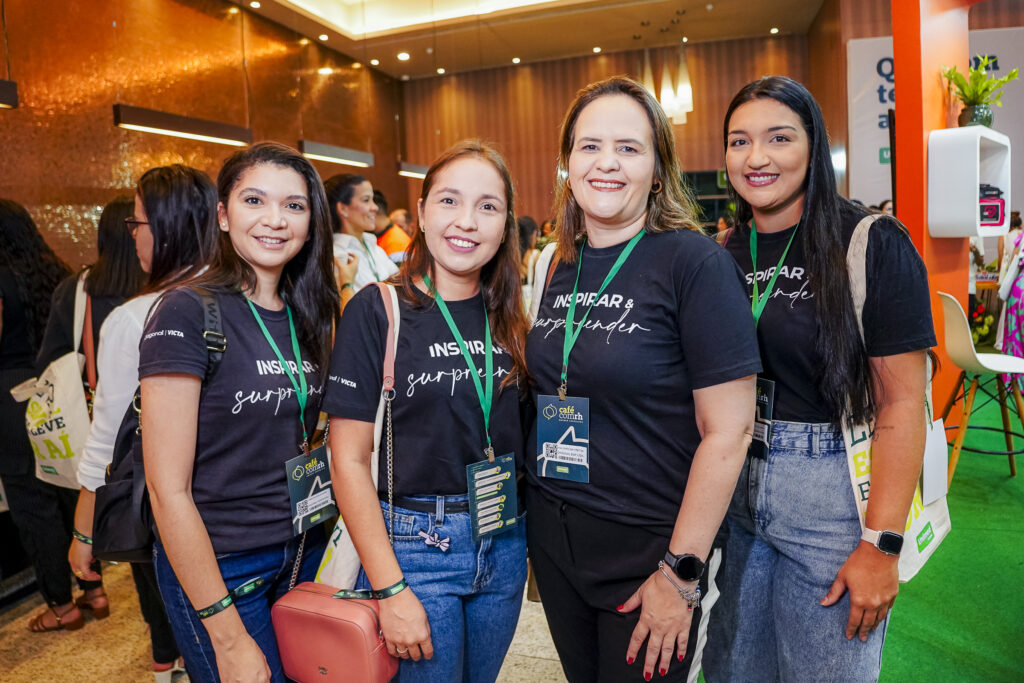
<point x="978" y="87"/>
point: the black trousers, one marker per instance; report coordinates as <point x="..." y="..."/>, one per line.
<point x="586" y="567"/>
<point x="165" y="649"/>
<point x="45" y="515"/>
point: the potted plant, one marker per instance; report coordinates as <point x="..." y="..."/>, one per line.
<point x="977" y="91"/>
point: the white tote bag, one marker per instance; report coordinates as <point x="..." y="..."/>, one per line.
<point x="57" y="415"/>
<point x="339" y="567"/>
<point x="927" y="524"/>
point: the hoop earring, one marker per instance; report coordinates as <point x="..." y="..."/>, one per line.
<point x="656" y="187"/>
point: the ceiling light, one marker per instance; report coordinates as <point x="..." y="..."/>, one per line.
<point x="596" y="50"/>
<point x="709" y="7"/>
<point x="335" y="155"/>
<point x="374" y="62"/>
<point x="357" y="65"/>
<point x="430" y="50"/>
<point x="322" y="36"/>
<point x="254" y="4"/>
<point x="675" y="20"/>
<point x="163" y="123"/>
<point x="412" y="170"/>
<point x="325" y="71"/>
<point x="8" y="95"/>
<point x="405" y="77"/>
<point x="516" y="60"/>
<point x="232" y="10"/>
<point x="403" y="56"/>
<point x="637" y="36"/>
<point x="645" y="23"/>
<point x="773" y="31"/>
<point x="303" y="41"/>
<point x="685" y="39"/>
<point x="440" y="69"/>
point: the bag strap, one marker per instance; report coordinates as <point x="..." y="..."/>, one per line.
<point x="857" y="265"/>
<point x="79" y="317"/>
<point x="723" y="237"/>
<point x="213" y="329"/>
<point x="545" y="263"/>
<point x="89" y="346"/>
<point x="387" y="395"/>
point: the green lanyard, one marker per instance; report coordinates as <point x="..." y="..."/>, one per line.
<point x="572" y="328"/>
<point x="485" y="396"/>
<point x="757" y="303"/>
<point x="369" y="257"/>
<point x="301" y="390"/>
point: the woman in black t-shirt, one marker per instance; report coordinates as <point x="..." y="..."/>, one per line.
<point x="217" y="436"/>
<point x="805" y="596"/>
<point x="454" y="578"/>
<point x="636" y="457"/>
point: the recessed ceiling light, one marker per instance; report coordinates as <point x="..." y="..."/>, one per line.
<point x="709" y="7"/>
<point x="232" y="10"/>
<point x="675" y="20"/>
<point x="403" y="56"/>
<point x="405" y="77"/>
<point x="596" y="50"/>
<point x="680" y="12"/>
<point x="374" y="62"/>
<point x="303" y="41"/>
<point x="323" y="36"/>
<point x="637" y="36"/>
<point x="430" y="50"/>
<point x="685" y="39"/>
<point x="773" y="30"/>
<point x="254" y="4"/>
<point x="645" y="23"/>
<point x="325" y="71"/>
<point x="663" y="29"/>
<point x="515" y="60"/>
<point x="440" y="69"/>
<point x="357" y="65"/>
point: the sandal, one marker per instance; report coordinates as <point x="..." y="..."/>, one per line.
<point x="83" y="602"/>
<point x="36" y="624"/>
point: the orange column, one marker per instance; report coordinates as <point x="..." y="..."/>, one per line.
<point x="927" y="35"/>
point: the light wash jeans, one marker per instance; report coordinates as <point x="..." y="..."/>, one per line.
<point x="792" y="524"/>
<point x="472" y="593"/>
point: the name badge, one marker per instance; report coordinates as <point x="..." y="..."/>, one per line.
<point x="763" y="410"/>
<point x="309" y="488"/>
<point x="563" y="438"/>
<point x="493" y="506"/>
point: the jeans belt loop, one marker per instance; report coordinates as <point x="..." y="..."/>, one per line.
<point x="439" y="511"/>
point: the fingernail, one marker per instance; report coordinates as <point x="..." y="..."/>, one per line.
<point x="647" y="675"/>
<point x="629" y="660"/>
<point x="662" y="671"/>
<point x="679" y="657"/>
<point x="619" y="607"/>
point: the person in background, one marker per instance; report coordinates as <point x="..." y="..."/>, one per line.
<point x="453" y="597"/>
<point x="391" y="238"/>
<point x="403" y="219"/>
<point x="806" y="592"/>
<point x="171" y="224"/>
<point x="886" y="206"/>
<point x="528" y="248"/>
<point x="658" y="360"/>
<point x="547" y="234"/>
<point x="353" y="219"/>
<point x="29" y="273"/>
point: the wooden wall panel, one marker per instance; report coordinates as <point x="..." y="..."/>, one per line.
<point x="996" y="14"/>
<point x="64" y="159"/>
<point x="520" y="108"/>
<point x="826" y="78"/>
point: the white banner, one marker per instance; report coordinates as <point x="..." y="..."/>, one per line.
<point x="871" y="91"/>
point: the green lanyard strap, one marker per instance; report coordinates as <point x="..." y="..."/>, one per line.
<point x="757" y="303"/>
<point x="301" y="389"/>
<point x="485" y="396"/>
<point x="572" y="328"/>
<point x="369" y="257"/>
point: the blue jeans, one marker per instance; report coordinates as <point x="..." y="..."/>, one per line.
<point x="472" y="593"/>
<point x="792" y="524"/>
<point x="274" y="564"/>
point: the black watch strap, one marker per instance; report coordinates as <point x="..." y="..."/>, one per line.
<point x="687" y="567"/>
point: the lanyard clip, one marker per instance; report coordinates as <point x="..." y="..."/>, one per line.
<point x="561" y="392"/>
<point x="305" y="446"/>
<point x="489" y="452"/>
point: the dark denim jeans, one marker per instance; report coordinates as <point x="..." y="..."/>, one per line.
<point x="274" y="564"/>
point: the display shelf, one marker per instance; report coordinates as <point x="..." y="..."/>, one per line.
<point x="959" y="160"/>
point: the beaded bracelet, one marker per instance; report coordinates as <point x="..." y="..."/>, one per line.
<point x="79" y="536"/>
<point x="692" y="600"/>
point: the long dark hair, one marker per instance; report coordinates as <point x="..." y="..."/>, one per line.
<point x="181" y="207"/>
<point x="845" y="379"/>
<point x="307" y="283"/>
<point x="117" y="272"/>
<point x="670" y="208"/>
<point x="37" y="269"/>
<point x="499" y="278"/>
<point x="340" y="188"/>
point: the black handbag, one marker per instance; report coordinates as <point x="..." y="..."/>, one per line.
<point x="123" y="526"/>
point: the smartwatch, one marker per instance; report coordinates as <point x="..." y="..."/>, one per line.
<point x="889" y="542"/>
<point x="686" y="567"/>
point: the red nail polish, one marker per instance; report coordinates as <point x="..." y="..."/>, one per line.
<point x="680" y="656"/>
<point x="629" y="660"/>
<point x="647" y="675"/>
<point x="662" y="671"/>
<point x="619" y="607"/>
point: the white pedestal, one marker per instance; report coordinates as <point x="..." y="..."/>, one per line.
<point x="959" y="160"/>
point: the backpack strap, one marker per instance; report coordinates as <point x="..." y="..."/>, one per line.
<point x="213" y="329"/>
<point x="545" y="263"/>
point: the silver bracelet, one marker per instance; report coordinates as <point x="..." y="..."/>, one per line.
<point x="692" y="600"/>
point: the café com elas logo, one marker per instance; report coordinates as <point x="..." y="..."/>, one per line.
<point x="564" y="413"/>
<point x="312" y="467"/>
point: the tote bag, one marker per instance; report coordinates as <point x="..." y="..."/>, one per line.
<point x="927" y="524"/>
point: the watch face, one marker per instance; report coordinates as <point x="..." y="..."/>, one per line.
<point x="889" y="542"/>
<point x="689" y="567"/>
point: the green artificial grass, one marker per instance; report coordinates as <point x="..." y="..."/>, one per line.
<point x="962" y="617"/>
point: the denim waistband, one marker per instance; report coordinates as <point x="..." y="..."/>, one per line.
<point x="816" y="436"/>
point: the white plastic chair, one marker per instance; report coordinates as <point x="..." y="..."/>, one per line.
<point x="973" y="365"/>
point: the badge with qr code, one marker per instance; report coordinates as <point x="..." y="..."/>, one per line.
<point x="563" y="438"/>
<point x="309" y="488"/>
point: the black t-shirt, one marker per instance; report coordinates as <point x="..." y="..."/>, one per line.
<point x="248" y="414"/>
<point x="897" y="309"/>
<point x="15" y="350"/>
<point x="60" y="326"/>
<point x="437" y="422"/>
<point x="673" y="320"/>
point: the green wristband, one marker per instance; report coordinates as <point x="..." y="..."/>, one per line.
<point x="348" y="284"/>
<point x="81" y="537"/>
<point x="216" y="607"/>
<point x="393" y="589"/>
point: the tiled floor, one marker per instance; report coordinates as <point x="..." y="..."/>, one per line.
<point x="117" y="648"/>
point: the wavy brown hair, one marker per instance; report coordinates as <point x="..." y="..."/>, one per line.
<point x="499" y="278"/>
<point x="672" y="208"/>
